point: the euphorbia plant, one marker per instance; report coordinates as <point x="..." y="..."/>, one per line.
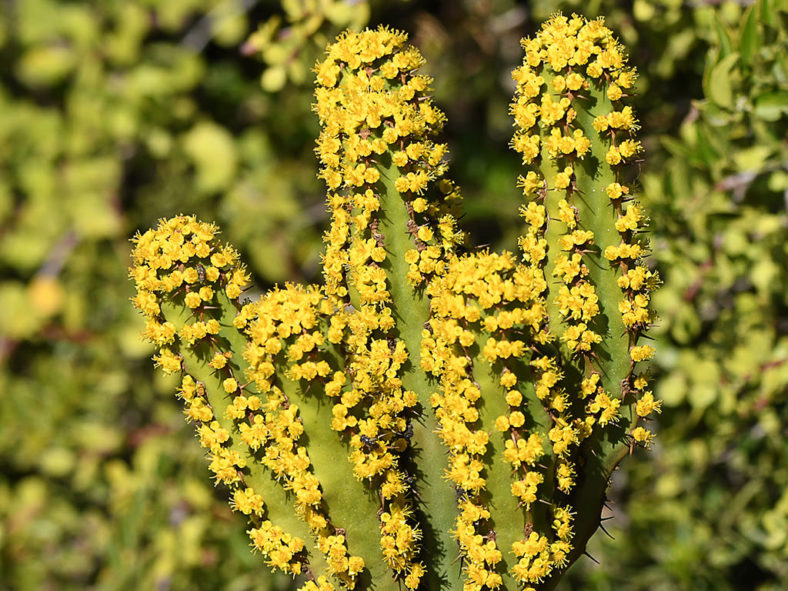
<point x="427" y="417"/>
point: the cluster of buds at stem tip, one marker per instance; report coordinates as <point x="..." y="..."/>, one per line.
<point x="426" y="418"/>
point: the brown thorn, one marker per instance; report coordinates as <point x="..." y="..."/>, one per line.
<point x="591" y="557"/>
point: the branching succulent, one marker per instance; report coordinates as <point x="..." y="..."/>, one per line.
<point x="428" y="417"/>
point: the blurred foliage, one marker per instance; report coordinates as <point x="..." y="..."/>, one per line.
<point x="115" y="113"/>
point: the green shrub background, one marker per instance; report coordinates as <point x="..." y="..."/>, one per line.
<point x="114" y="113"/>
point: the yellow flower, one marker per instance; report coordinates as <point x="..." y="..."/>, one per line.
<point x="614" y="92"/>
<point x="192" y="299"/>
<point x="641" y="352"/>
<point x="563" y="178"/>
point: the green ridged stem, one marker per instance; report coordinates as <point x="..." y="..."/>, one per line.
<point x="278" y="503"/>
<point x="411" y="308"/>
<point x="349" y="503"/>
<point x="506" y="517"/>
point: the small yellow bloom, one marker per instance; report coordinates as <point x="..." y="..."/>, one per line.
<point x="641" y="352"/>
<point x="192" y="299"/>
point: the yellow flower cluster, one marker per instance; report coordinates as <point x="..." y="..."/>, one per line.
<point x="377" y="125"/>
<point x="538" y="557"/>
<point x="372" y="409"/>
<point x="376" y="145"/>
<point x="565" y="57"/>
<point x="182" y="263"/>
<point x="577" y="304"/>
<point x="554" y="61"/>
<point x="490" y="294"/>
<point x="549" y="85"/>
<point x="567" y="60"/>
<point x="320" y="584"/>
<point x="280" y="548"/>
<point x="285" y="333"/>
<point x="397" y="540"/>
<point x="636" y="280"/>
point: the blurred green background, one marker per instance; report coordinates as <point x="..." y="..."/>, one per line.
<point x="114" y="113"/>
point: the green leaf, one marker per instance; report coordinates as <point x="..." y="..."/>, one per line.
<point x="749" y="40"/>
<point x="19" y="321"/>
<point x="778" y="181"/>
<point x="705" y="146"/>
<point x="720" y="84"/>
<point x="211" y="148"/>
<point x="770" y="106"/>
<point x="347" y="14"/>
<point x="752" y="158"/>
<point x="274" y="79"/>
<point x="763" y="275"/>
<point x="676" y="148"/>
<point x="723" y="38"/>
<point x="768" y="13"/>
<point x="46" y="65"/>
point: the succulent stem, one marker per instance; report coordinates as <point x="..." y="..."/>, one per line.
<point x="426" y="418"/>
